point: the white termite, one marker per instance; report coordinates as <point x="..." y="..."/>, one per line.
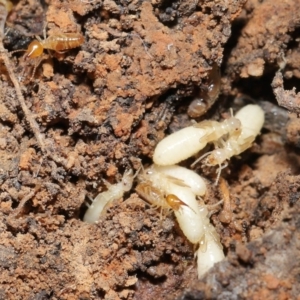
<point x="210" y="249"/>
<point x="252" y="118"/>
<point x="189" y="218"/>
<point x="188" y="177"/>
<point x="188" y="141"/>
<point x="179" y="146"/>
<point x="157" y="198"/>
<point x="216" y="130"/>
<point x="114" y="192"/>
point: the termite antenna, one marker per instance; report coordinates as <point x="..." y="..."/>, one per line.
<point x="15" y="51"/>
<point x="200" y="158"/>
<point x="212" y="208"/>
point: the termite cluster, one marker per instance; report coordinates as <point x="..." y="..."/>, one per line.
<point x="165" y="185"/>
<point x="178" y="189"/>
<point x="230" y="137"/>
<point x="172" y="188"/>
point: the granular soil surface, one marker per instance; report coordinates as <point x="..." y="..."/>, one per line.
<point x="102" y="107"/>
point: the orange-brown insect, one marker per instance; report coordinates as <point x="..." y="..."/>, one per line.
<point x="58" y="43"/>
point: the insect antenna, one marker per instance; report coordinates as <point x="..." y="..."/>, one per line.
<point x="212" y="208"/>
<point x="15" y="51"/>
<point x="200" y="158"/>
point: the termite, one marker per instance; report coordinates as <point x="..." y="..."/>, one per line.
<point x="156" y="197"/>
<point x="252" y="119"/>
<point x="182" y="176"/>
<point x="208" y="94"/>
<point x="210" y="249"/>
<point x="192" y="218"/>
<point x="188" y="215"/>
<point x="216" y="130"/>
<point x="114" y="192"/>
<point x="190" y="140"/>
<point x="227" y="149"/>
<point x="58" y="43"/>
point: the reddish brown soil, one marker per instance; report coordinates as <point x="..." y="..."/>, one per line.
<point x="102" y="108"/>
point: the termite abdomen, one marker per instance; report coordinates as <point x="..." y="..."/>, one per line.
<point x="64" y="41"/>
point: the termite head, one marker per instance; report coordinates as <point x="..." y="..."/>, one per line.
<point x="234" y="126"/>
<point x="35" y="49"/>
<point x="174" y="202"/>
<point x="216" y="157"/>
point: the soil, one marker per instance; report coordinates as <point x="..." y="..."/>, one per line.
<point x="102" y="107"/>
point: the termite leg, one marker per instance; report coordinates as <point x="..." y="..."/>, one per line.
<point x="221" y="167"/>
<point x="37" y="63"/>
